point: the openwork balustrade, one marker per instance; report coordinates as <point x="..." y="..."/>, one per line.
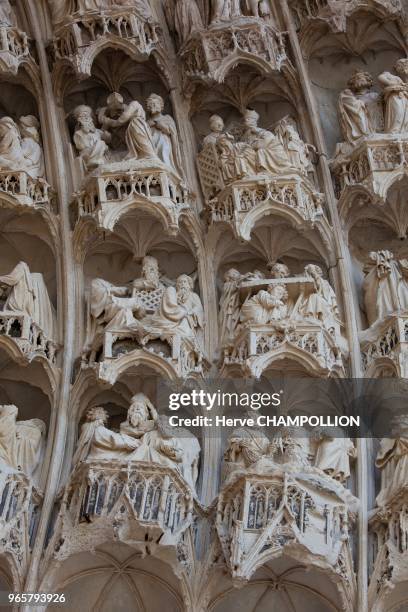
<point x="237" y="203"/>
<point x="135" y="501"/>
<point x="25" y="190"/>
<point x="30" y="339"/>
<point x="371" y="163"/>
<point x="209" y="54"/>
<point x="261" y="515"/>
<point x="20" y="505"/>
<point x="387" y="340"/>
<point x="256" y="344"/>
<point x="78" y="40"/>
<point x="105" y="197"/>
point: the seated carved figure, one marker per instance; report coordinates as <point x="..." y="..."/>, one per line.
<point x="20" y="147"/>
<point x="21" y="442"/>
<point x="333" y="454"/>
<point x="25" y="292"/>
<point x="385" y="285"/>
<point x="180" y="312"/>
<point x="321" y="303"/>
<point x="97" y="442"/>
<point x="266" y="148"/>
<point x="266" y="306"/>
<point x="141" y="417"/>
<point x="246" y="446"/>
<point x="91" y="142"/>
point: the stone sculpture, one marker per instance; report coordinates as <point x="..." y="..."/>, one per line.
<point x="333" y="454"/>
<point x="25" y="292"/>
<point x="90" y="141"/>
<point x="144" y="436"/>
<point x="392" y="460"/>
<point x="7" y="16"/>
<point x="230" y="305"/>
<point x="385" y="285"/>
<point x="97" y="442"/>
<point x="396" y="98"/>
<point x="267" y="152"/>
<point x="20" y="147"/>
<point x="358" y="107"/>
<point x="266" y="306"/>
<point x="246" y="446"/>
<point x="164" y="131"/>
<point x="21" y="442"/>
<point x="187" y="19"/>
<point x="321" y="303"/>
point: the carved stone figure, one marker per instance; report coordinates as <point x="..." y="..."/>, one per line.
<point x="246" y="445"/>
<point x="297" y="151"/>
<point x="216" y="124"/>
<point x="20" y="148"/>
<point x="279" y="270"/>
<point x="187" y="19"/>
<point x="288" y="447"/>
<point x="111" y="308"/>
<point x="180" y="312"/>
<point x="358" y="107"/>
<point x="267" y="151"/>
<point x="333" y="455"/>
<point x="385" y="286"/>
<point x="392" y="460"/>
<point x="7" y="16"/>
<point x="141" y="417"/>
<point x="27" y="293"/>
<point x="60" y="9"/>
<point x="139" y="137"/>
<point x="21" y="442"/>
<point x="150" y="279"/>
<point x="97" y="442"/>
<point x="396" y="99"/>
<point x="90" y="141"/>
<point x="230" y="305"/>
<point x="225" y="10"/>
<point x="266" y="306"/>
<point x="164" y="131"/>
<point x="321" y="304"/>
<point x="31" y="146"/>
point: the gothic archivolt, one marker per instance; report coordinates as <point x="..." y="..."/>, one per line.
<point x="195" y="188"/>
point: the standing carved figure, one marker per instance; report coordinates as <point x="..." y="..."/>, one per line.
<point x="187" y="19"/>
<point x="164" y="131"/>
<point x="7" y="16"/>
<point x="230" y="305"/>
<point x="396" y="98"/>
<point x="358" y="107"/>
<point x="333" y="455"/>
<point x="321" y="303"/>
<point x="31" y="146"/>
<point x="225" y="10"/>
<point x="385" y="286"/>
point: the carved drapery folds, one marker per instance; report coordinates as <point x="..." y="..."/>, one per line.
<point x="163" y="321"/>
<point x="137" y="483"/>
<point x="142" y="166"/>
<point x="375" y="130"/>
<point x="257" y="169"/>
<point x="27" y="316"/>
<point x="261" y="317"/>
<point x="22" y="172"/>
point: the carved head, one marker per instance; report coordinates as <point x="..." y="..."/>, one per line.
<point x="29" y="127"/>
<point x="251" y="118"/>
<point x="97" y="414"/>
<point x="313" y="271"/>
<point x="232" y="275"/>
<point x="278" y="291"/>
<point x="184" y="286"/>
<point x="150" y="269"/>
<point x="9" y="410"/>
<point x="154" y="104"/>
<point x="84" y="117"/>
<point x="216" y="124"/>
<point x="360" y="81"/>
<point x="279" y="270"/>
<point x="141" y="410"/>
<point x="115" y="101"/>
<point x="401" y="68"/>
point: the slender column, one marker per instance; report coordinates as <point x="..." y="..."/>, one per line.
<point x="59" y="178"/>
<point x="343" y="263"/>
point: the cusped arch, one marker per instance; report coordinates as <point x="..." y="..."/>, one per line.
<point x="307" y="361"/>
